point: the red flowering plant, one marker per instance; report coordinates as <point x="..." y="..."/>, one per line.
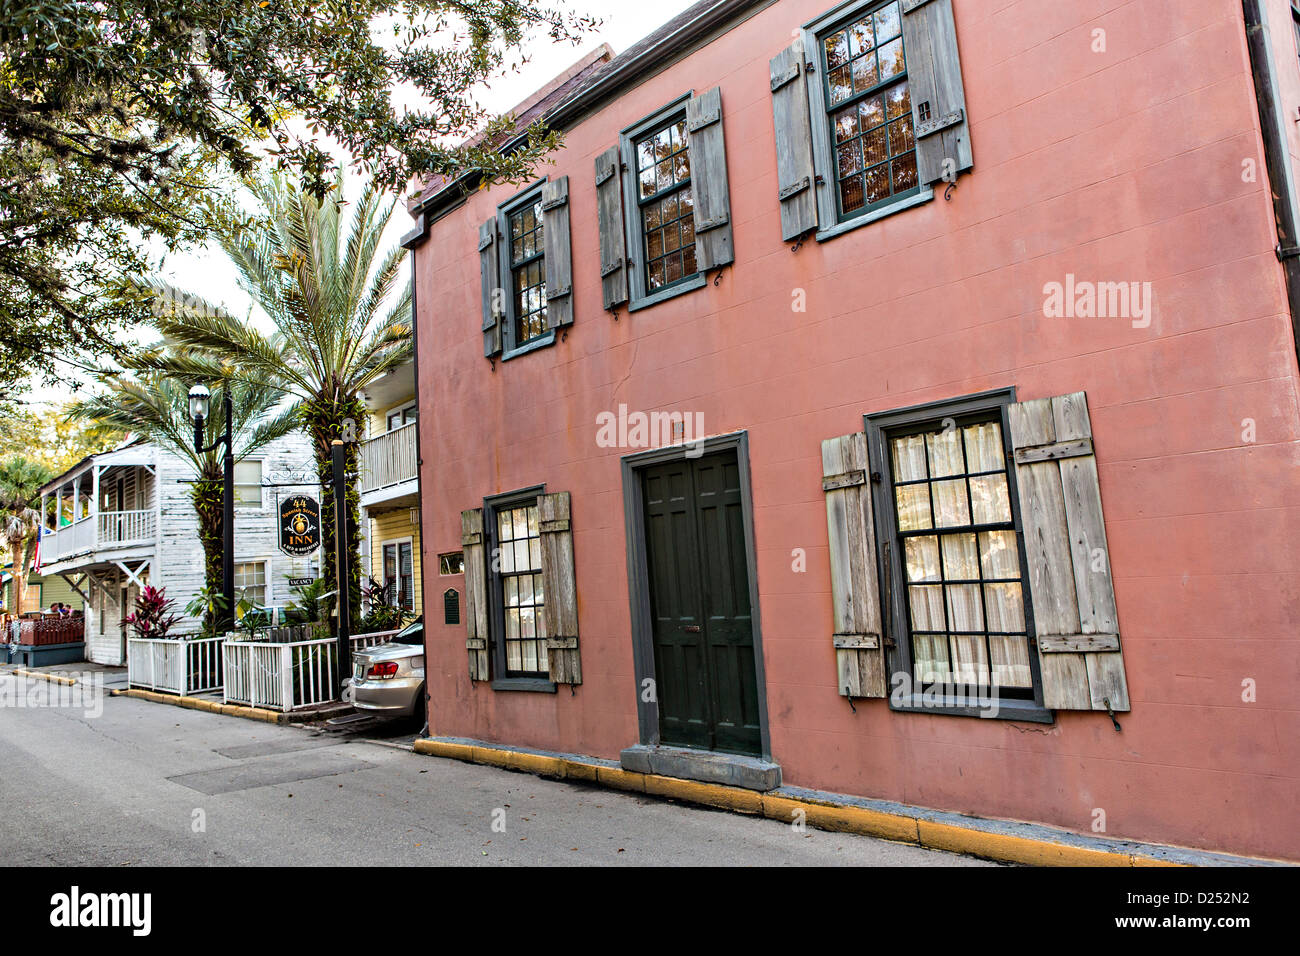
<point x="152" y="617"/>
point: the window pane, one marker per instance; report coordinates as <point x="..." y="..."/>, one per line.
<point x="510" y="587"/>
<point x="871" y="112"/>
<point x="926" y="602"/>
<point x="909" y="458"/>
<point x="904" y="172"/>
<point x="950" y="505"/>
<point x="891" y="58"/>
<point x="989" y="501"/>
<point x="841" y="84"/>
<point x="888" y="23"/>
<point x="860" y="38"/>
<point x="1010" y="661"/>
<point x="999" y="557"/>
<point x="898" y="102"/>
<point x="960" y="558"/>
<point x="970" y="663"/>
<point x="965" y="612"/>
<point x="983" y="447"/>
<point x="930" y="659"/>
<point x="913" y="507"/>
<point x="922" y="558"/>
<point x="865" y="75"/>
<point x="945" y="453"/>
<point x="837" y="49"/>
<point x="1006" y="607"/>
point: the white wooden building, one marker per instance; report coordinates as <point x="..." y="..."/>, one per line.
<point x="123" y="519"/>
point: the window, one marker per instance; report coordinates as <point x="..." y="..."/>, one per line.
<point x="451" y="563"/>
<point x="250" y="582"/>
<point x="399" y="577"/>
<point x="527" y="271"/>
<point x="949" y="534"/>
<point x="869" y="110"/>
<point x="401" y="416"/>
<point x="248" y="484"/>
<point x="517" y="591"/>
<point x="666" y="209"/>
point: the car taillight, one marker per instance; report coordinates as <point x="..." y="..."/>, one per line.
<point x="384" y="670"/>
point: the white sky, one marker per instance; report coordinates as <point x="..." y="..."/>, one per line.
<point x="207" y="272"/>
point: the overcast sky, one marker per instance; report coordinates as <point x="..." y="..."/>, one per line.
<point x="207" y="272"/>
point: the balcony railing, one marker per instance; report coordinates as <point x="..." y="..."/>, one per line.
<point x="388" y="459"/>
<point x="97" y="532"/>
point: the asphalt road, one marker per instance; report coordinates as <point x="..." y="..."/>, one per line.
<point x="145" y="783"/>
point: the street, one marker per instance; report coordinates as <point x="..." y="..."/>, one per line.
<point x="145" y="783"/>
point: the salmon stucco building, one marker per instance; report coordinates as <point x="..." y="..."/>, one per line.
<point x="895" y="398"/>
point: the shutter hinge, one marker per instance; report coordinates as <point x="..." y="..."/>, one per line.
<point x="809" y="67"/>
<point x="819" y="179"/>
<point x="889" y="642"/>
<point x="875" y="478"/>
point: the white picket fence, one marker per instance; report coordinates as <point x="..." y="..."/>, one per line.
<point x="174" y="665"/>
<point x="281" y="676"/>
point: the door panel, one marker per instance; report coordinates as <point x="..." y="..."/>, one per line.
<point x="699" y="597"/>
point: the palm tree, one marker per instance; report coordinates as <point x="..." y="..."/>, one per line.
<point x="339" y="322"/>
<point x="156" y="406"/>
<point x="20" y="523"/>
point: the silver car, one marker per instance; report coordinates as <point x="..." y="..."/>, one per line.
<point x="389" y="678"/>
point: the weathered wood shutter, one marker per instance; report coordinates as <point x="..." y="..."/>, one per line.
<point x="792" y="121"/>
<point x="476" y="609"/>
<point x="708" y="155"/>
<point x="560" y="607"/>
<point x="855" y="592"/>
<point x="1075" y="622"/>
<point x="491" y="281"/>
<point x="938" y="97"/>
<point x="609" y="215"/>
<point x="559" y="255"/>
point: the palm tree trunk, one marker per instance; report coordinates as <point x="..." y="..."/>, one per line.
<point x="206" y="496"/>
<point x="18" y="578"/>
<point x="327" y="419"/>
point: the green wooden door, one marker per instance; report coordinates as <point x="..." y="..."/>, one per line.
<point x="699" y="600"/>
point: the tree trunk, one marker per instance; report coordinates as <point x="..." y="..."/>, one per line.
<point x="329" y="418"/>
<point x="206" y="495"/>
<point x="18" y="577"/>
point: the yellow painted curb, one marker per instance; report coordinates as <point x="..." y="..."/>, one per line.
<point x="442" y="748"/>
<point x="822" y="815"/>
<point x="709" y="794"/>
<point x="1014" y="849"/>
<point x="40" y="675"/>
<point x="209" y="706"/>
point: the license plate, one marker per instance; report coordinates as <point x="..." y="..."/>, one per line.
<point x="359" y="672"/>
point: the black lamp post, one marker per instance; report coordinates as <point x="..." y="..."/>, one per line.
<point x="200" y="407"/>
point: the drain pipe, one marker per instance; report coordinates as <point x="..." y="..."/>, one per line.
<point x="1277" y="157"/>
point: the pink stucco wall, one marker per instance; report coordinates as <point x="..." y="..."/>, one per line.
<point x="1116" y="166"/>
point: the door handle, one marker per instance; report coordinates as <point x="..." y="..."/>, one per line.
<point x="691" y="628"/>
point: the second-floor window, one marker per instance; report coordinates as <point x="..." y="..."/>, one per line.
<point x="248" y="484"/>
<point x="665" y="205"/>
<point x="527" y="271"/>
<point x="401" y="416"/>
<point x="869" y="109"/>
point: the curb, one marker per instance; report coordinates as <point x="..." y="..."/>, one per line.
<point x="916" y="826"/>
<point x="41" y="675"/>
<point x="211" y="706"/>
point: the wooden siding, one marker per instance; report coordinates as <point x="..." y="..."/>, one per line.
<point x="396" y="526"/>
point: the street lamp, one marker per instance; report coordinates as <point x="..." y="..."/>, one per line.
<point x="200" y="409"/>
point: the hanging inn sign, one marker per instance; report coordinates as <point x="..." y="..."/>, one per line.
<point x="299" y="525"/>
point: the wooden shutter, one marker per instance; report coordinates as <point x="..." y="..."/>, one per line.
<point x="560" y="607"/>
<point x="559" y="256"/>
<point x="855" y="593"/>
<point x="491" y="282"/>
<point x="476" y="609"/>
<point x="1075" y="623"/>
<point x="938" y="97"/>
<point x="609" y="214"/>
<point x="792" y="122"/>
<point x="709" y="180"/>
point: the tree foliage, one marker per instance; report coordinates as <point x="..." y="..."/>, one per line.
<point x="341" y="316"/>
<point x="20" y="518"/>
<point x="118" y="118"/>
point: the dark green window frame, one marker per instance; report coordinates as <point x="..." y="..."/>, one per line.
<point x="516" y="339"/>
<point x="505" y="678"/>
<point x="655" y="198"/>
<point x="895" y="129"/>
<point x="640" y="295"/>
<point x="882" y="428"/>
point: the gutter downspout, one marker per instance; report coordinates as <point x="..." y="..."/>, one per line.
<point x="1277" y="157"/>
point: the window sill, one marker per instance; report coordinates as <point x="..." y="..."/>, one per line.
<point x="924" y="196"/>
<point x="1025" y="710"/>
<point x="698" y="281"/>
<point x="538" y="685"/>
<point x="534" y="345"/>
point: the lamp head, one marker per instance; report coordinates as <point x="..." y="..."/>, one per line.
<point x="200" y="403"/>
